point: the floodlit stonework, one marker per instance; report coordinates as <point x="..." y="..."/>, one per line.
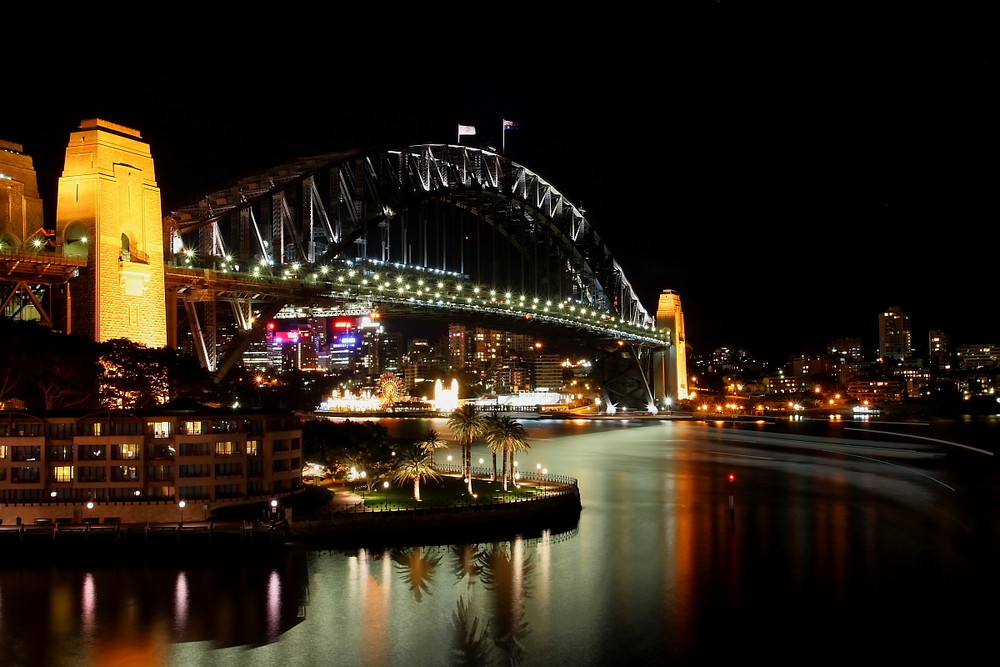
<point x="108" y="210"/>
<point x="20" y="205"/>
<point x="672" y="381"/>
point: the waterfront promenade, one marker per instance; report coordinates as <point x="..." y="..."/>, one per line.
<point x="345" y="520"/>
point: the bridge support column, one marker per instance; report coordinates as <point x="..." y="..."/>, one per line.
<point x="670" y="381"/>
<point x="108" y="212"/>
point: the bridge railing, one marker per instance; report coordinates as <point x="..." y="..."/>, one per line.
<point x="42" y="256"/>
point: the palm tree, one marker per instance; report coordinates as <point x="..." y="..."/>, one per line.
<point x="467" y="423"/>
<point x="432" y="442"/>
<point x="413" y="463"/>
<point x="495" y="449"/>
<point x="506" y="436"/>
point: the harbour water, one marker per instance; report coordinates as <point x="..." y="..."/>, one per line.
<point x="831" y="541"/>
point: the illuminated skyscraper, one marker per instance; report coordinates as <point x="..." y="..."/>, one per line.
<point x="894" y="337"/>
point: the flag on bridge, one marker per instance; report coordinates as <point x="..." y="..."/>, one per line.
<point x="507" y="125"/>
<point x="465" y="129"/>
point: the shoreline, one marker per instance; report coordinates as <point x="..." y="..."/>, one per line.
<point x="344" y="527"/>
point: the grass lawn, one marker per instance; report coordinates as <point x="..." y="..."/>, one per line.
<point x="444" y="491"/>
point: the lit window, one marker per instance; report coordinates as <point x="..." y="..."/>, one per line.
<point x="3" y="451"/>
<point x="62" y="473"/>
<point x="225" y="448"/>
<point x="252" y="447"/>
<point x="192" y="428"/>
<point x="127" y="451"/>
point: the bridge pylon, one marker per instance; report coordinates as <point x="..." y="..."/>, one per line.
<point x="108" y="212"/>
<point x="670" y="381"/>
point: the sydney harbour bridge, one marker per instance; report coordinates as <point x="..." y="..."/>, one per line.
<point x="439" y="232"/>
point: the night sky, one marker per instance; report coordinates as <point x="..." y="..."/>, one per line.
<point x="790" y="175"/>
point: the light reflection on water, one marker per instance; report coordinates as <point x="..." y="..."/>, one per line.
<point x="828" y="545"/>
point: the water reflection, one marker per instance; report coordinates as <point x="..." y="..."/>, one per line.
<point x="837" y="547"/>
<point x="132" y="615"/>
<point x="491" y="583"/>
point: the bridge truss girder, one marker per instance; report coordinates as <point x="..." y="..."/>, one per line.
<point x="464" y="211"/>
<point x="339" y="205"/>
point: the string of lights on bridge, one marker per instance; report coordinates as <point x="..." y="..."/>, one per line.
<point x="401" y="283"/>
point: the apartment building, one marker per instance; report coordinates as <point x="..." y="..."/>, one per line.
<point x="140" y="466"/>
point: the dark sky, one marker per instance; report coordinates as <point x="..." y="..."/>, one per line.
<point x="789" y="174"/>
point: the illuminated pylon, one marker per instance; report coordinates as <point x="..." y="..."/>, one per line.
<point x="108" y="211"/>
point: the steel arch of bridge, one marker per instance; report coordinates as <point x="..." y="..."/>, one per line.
<point x="357" y="226"/>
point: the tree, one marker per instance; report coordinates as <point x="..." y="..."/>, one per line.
<point x="413" y="463"/>
<point x="467" y="423"/>
<point x="132" y="376"/>
<point x="48" y="370"/>
<point x="506" y="436"/>
<point x="340" y="446"/>
<point x="432" y="442"/>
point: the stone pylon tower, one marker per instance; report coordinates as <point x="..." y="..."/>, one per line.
<point x="20" y="205"/>
<point x="671" y="379"/>
<point x="108" y="210"/>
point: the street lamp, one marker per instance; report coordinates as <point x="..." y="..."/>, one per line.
<point x="274" y="510"/>
<point x="385" y="488"/>
<point x="90" y="507"/>
<point x="182" y="505"/>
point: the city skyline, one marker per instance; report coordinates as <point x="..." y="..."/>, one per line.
<point x="788" y="186"/>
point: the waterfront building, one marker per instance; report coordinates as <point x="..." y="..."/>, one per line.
<point x="509" y="375"/>
<point x="138" y="466"/>
<point x="915" y="375"/>
<point x="877" y="391"/>
<point x="548" y="372"/>
<point x="972" y="357"/>
<point x="782" y="384"/>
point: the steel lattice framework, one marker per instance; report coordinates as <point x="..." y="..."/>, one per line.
<point x="453" y="227"/>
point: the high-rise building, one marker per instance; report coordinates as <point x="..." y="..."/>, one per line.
<point x="458" y="337"/>
<point x="390" y="352"/>
<point x="844" y="350"/>
<point x="548" y="372"/>
<point x="894" y="336"/>
<point x="939" y="350"/>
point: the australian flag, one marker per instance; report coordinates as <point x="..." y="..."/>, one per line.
<point x="509" y="125"/>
